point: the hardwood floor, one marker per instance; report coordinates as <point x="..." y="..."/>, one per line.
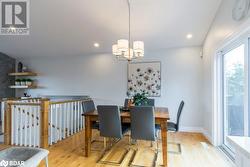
<point x="196" y="152"/>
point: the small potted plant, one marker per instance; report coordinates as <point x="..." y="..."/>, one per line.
<point x="140" y="99"/>
<point x="23" y="82"/>
<point x="18" y="82"/>
<point x="29" y="82"/>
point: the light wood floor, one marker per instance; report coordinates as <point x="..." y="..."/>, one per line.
<point x="196" y="152"/>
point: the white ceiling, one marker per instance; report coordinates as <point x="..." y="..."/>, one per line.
<point x="70" y="27"/>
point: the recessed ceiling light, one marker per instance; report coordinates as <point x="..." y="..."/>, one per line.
<point x="189" y="36"/>
<point x="97" y="45"/>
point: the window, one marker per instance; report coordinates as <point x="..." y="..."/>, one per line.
<point x="233" y="70"/>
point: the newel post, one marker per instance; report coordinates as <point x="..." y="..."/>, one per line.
<point x="7" y="123"/>
<point x="45" y="105"/>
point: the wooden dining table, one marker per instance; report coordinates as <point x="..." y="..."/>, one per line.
<point x="161" y="118"/>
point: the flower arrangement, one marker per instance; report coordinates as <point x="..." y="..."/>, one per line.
<point x="140" y="99"/>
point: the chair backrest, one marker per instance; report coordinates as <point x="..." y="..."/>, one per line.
<point x="88" y="105"/>
<point x="126" y="103"/>
<point x="110" y="121"/>
<point x="142" y="123"/>
<point x="150" y="102"/>
<point x="179" y="114"/>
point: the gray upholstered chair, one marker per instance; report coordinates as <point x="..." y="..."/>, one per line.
<point x="126" y="103"/>
<point x="89" y="106"/>
<point x="143" y="125"/>
<point x="110" y="126"/>
<point x="174" y="127"/>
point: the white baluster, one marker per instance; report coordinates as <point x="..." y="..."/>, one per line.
<point x="60" y="121"/>
<point x="56" y="117"/>
<point x="77" y="112"/>
<point x="50" y="121"/>
<point x="64" y="120"/>
<point x="16" y="118"/>
<point x="34" y="126"/>
<point x="72" y="118"/>
<point x="38" y="126"/>
<point x="67" y="118"/>
<point x="3" y="107"/>
<point x="81" y="115"/>
<point x="21" y="126"/>
<point x="30" y="125"/>
<point x="75" y="118"/>
<point x="12" y="110"/>
<point x="25" y="125"/>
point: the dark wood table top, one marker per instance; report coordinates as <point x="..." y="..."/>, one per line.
<point x="160" y="113"/>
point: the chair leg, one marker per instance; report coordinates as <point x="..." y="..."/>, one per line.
<point x="105" y="142"/>
<point x="135" y="154"/>
<point x="109" y="148"/>
<point x="47" y="161"/>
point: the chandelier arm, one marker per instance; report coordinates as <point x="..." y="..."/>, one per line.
<point x="129" y="29"/>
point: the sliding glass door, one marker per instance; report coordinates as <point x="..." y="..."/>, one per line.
<point x="234" y="93"/>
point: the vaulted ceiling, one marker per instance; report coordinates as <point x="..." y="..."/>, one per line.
<point x="70" y="27"/>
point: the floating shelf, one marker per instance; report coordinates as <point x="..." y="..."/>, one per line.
<point x="23" y="74"/>
<point x="22" y="87"/>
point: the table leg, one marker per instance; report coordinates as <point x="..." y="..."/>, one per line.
<point x="87" y="136"/>
<point x="164" y="143"/>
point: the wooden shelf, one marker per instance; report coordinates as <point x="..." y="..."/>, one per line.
<point x="22" y="87"/>
<point x="23" y="74"/>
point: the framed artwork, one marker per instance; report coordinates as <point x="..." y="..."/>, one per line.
<point x="144" y="77"/>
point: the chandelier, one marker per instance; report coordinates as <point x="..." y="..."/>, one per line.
<point x="123" y="48"/>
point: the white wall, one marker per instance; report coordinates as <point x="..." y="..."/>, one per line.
<point x="223" y="28"/>
<point x="105" y="79"/>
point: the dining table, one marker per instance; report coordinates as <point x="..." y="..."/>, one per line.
<point x="161" y="118"/>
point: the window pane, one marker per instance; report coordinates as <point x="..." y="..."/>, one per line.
<point x="234" y="93"/>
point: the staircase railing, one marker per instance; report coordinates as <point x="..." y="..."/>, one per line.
<point x="41" y="122"/>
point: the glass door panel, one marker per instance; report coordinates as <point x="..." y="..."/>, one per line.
<point x="233" y="93"/>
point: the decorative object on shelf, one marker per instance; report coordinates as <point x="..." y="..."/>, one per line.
<point x="140" y="99"/>
<point x="144" y="77"/>
<point x="20" y="67"/>
<point x="18" y="82"/>
<point x="24" y="69"/>
<point x="29" y="82"/>
<point x="23" y="82"/>
<point x="123" y="49"/>
<point x="240" y="9"/>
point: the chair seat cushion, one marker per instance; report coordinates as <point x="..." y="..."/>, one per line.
<point x="30" y="156"/>
<point x="172" y="126"/>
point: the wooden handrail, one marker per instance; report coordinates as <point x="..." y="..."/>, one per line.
<point x="68" y="101"/>
<point x="24" y="104"/>
<point x="19" y="99"/>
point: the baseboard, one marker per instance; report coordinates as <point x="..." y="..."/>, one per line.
<point x="191" y="129"/>
<point x="197" y="130"/>
<point x="207" y="135"/>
